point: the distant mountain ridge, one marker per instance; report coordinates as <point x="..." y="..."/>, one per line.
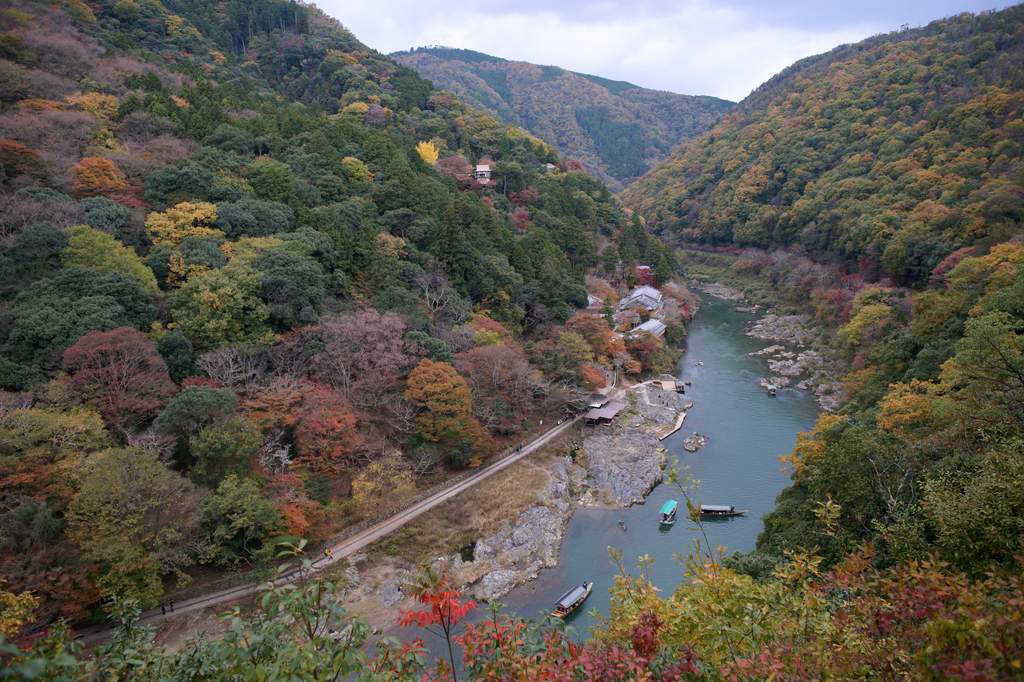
<point x="618" y="130"/>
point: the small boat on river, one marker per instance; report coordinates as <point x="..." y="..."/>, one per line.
<point x="720" y="510"/>
<point x="668" y="512"/>
<point x="572" y="600"/>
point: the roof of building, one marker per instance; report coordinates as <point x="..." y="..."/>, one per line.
<point x="607" y="412"/>
<point x="652" y="326"/>
<point x="647" y="296"/>
<point x="594" y="300"/>
<point x="482" y="167"/>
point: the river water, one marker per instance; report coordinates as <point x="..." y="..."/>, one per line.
<point x="747" y="430"/>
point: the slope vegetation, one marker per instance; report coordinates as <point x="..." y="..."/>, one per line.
<point x="248" y="289"/>
<point x="616" y="129"/>
<point x="886" y="155"/>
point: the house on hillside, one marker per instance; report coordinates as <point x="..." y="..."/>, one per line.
<point x="645" y="275"/>
<point x="483" y="173"/>
<point x="652" y="326"/>
<point x="644" y="296"/>
<point x="594" y="301"/>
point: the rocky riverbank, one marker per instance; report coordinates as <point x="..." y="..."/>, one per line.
<point x="793" y="362"/>
<point x="615" y="465"/>
<point x="792" y="358"/>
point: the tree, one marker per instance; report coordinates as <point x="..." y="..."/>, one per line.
<point x="272" y="180"/>
<point x="33" y="254"/>
<point x="446" y="407"/>
<point x="99" y="251"/>
<point x="95" y="175"/>
<point x="170" y="227"/>
<point x="224" y="449"/>
<point x="427" y="151"/>
<point x="326" y="437"/>
<point x="135" y="518"/>
<point x="445" y="608"/>
<point x="194" y="408"/>
<point x="120" y="374"/>
<point x="363" y="355"/>
<point x="502" y="383"/>
<point x="50" y="314"/>
<point x="176" y="350"/>
<point x="236" y="521"/>
<point x="222" y="306"/>
<point x="293" y="287"/>
<point x="383" y="485"/>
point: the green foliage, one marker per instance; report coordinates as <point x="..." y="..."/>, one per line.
<point x="236" y="521"/>
<point x="50" y="314"/>
<point x="864" y="154"/>
<point x="176" y="350"/>
<point x="101" y="252"/>
<point x="134" y="517"/>
<point x="218" y="307"/>
<point x="195" y="407"/>
<point x="223" y="449"/>
<point x="34" y="253"/>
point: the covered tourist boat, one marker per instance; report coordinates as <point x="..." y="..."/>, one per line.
<point x="572" y="600"/>
<point x="716" y="510"/>
<point x="668" y="512"/>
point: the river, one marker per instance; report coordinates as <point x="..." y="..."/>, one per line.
<point x="747" y="431"/>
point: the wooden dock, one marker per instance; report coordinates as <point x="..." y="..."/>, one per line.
<point x="679" y="425"/>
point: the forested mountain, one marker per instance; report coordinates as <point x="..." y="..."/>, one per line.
<point x="899" y="160"/>
<point x="885" y="156"/>
<point x="616" y="129"/>
<point x="249" y="288"/>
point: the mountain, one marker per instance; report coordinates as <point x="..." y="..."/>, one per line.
<point x="246" y="270"/>
<point x="616" y="129"/>
<point x="884" y="182"/>
<point x="884" y="156"/>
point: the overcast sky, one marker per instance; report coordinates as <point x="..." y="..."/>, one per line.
<point x="698" y="47"/>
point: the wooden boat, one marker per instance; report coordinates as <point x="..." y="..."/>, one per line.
<point x="720" y="510"/>
<point x="572" y="600"/>
<point x="668" y="512"/>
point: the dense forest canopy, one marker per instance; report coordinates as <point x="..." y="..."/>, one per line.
<point x="247" y="274"/>
<point x="885" y="156"/>
<point x="616" y="129"/>
<point x="249" y="282"/>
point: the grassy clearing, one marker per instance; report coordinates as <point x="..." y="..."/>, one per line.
<point x="476" y="512"/>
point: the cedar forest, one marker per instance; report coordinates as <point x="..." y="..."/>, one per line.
<point x="250" y="287"/>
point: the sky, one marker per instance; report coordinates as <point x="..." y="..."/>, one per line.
<point x="696" y="47"/>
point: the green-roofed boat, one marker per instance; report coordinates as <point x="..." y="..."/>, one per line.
<point x="668" y="512"/>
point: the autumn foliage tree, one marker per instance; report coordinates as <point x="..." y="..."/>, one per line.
<point x="97" y="176"/>
<point x="119" y="373"/>
<point x="326" y="438"/>
<point x="444" y="608"/>
<point x="446" y="409"/>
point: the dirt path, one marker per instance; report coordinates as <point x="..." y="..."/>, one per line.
<point x="346" y="547"/>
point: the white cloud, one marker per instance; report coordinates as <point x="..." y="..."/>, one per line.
<point x="694" y="47"/>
